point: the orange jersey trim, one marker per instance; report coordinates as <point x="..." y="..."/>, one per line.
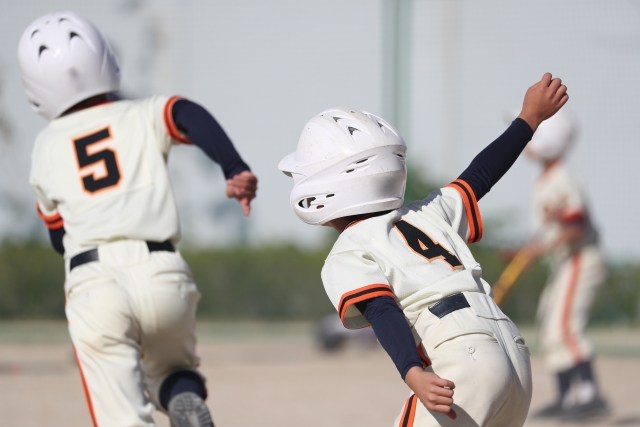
<point x="426" y="362"/>
<point x="409" y="412"/>
<point x="53" y="222"/>
<point x="361" y="294"/>
<point x="568" y="307"/>
<point x="87" y="395"/>
<point x="172" y="130"/>
<point x="471" y="207"/>
<point x="573" y="217"/>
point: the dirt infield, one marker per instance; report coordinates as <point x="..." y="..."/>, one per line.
<point x="272" y="376"/>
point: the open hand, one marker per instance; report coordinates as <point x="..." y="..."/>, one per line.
<point x="543" y="100"/>
<point x="243" y="187"/>
<point x="434" y="392"/>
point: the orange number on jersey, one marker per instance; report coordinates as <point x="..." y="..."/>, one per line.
<point x="90" y="182"/>
<point x="424" y="245"/>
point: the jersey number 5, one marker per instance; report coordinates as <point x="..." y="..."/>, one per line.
<point x="90" y="182"/>
<point x="424" y="245"/>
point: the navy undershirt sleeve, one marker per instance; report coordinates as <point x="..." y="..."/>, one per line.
<point x="494" y="161"/>
<point x="56" y="239"/>
<point x="393" y="332"/>
<point x="204" y="131"/>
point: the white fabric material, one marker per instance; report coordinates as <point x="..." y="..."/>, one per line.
<point x="487" y="360"/>
<point x="565" y="305"/>
<point x="558" y="195"/>
<point x="140" y="206"/>
<point x="63" y="60"/>
<point x="132" y="322"/>
<point x="375" y="252"/>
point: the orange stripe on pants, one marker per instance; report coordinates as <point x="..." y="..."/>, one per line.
<point x="87" y="395"/>
<point x="568" y="307"/>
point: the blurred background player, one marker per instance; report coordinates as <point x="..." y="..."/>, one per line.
<point x="408" y="271"/>
<point x="99" y="173"/>
<point x="567" y="236"/>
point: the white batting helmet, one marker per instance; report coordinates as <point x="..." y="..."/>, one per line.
<point x="553" y="137"/>
<point x="347" y="162"/>
<point x="63" y="60"/>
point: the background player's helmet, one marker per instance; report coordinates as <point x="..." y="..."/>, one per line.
<point x="553" y="137"/>
<point x="347" y="162"/>
<point x="63" y="60"/>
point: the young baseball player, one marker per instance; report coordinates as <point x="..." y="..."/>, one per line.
<point x="100" y="177"/>
<point x="578" y="270"/>
<point x="408" y="272"/>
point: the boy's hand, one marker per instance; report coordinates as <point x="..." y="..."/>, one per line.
<point x="243" y="187"/>
<point x="434" y="392"/>
<point x="543" y="100"/>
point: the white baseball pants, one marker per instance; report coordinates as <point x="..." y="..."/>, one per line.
<point x="564" y="309"/>
<point x="482" y="352"/>
<point x="132" y="322"/>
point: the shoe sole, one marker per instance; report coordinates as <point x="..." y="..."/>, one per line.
<point x="189" y="410"/>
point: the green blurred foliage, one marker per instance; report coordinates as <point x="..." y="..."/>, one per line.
<point x="418" y="186"/>
<point x="283" y="282"/>
<point x="31" y="282"/>
<point x="260" y="283"/>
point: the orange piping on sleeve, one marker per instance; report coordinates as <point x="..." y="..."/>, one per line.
<point x="361" y="294"/>
<point x="471" y="207"/>
<point x="172" y="130"/>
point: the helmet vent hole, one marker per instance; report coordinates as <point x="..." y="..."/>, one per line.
<point x="306" y="203"/>
<point x="319" y="206"/>
<point x="350" y="170"/>
<point x="42" y="49"/>
<point x="361" y="161"/>
<point x="330" y="195"/>
<point x="336" y="118"/>
<point x="352" y="129"/>
<point x="34" y="33"/>
<point x="400" y="155"/>
<point x="73" y="34"/>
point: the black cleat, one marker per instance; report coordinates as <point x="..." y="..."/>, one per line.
<point x="189" y="410"/>
<point x="596" y="408"/>
<point x="549" y="411"/>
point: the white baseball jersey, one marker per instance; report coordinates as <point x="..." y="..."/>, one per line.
<point x="101" y="173"/>
<point x="558" y="201"/>
<point x="417" y="254"/>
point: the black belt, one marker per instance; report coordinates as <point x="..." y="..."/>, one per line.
<point x="449" y="305"/>
<point x="92" y="255"/>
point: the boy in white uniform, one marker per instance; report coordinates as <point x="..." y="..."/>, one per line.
<point x="578" y="271"/>
<point x="408" y="272"/>
<point x="100" y="176"/>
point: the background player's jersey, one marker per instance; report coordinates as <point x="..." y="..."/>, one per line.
<point x="559" y="201"/>
<point x="417" y="254"/>
<point x="101" y="173"/>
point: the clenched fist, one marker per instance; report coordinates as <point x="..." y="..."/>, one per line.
<point x="243" y="187"/>
<point x="543" y="100"/>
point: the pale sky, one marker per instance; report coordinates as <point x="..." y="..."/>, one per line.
<point x="263" y="68"/>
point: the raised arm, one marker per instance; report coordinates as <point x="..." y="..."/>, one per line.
<point x="541" y="101"/>
<point x="202" y="129"/>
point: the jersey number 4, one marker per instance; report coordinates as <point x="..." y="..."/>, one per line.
<point x="91" y="182"/>
<point x="424" y="245"/>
